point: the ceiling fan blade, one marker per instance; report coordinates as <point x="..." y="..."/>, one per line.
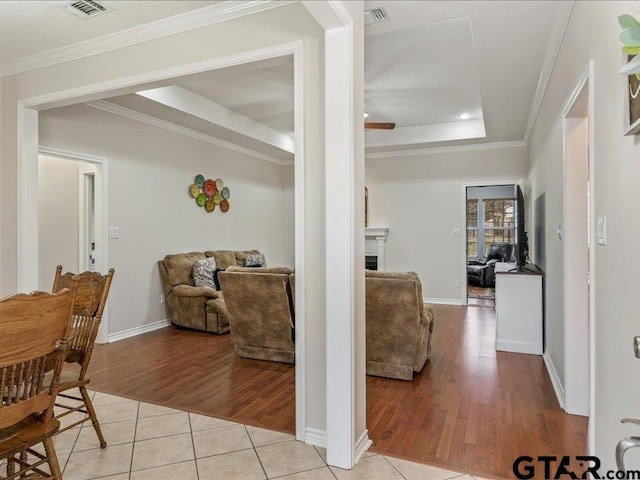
<point x="379" y="125"/>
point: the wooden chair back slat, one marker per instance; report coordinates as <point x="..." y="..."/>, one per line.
<point x="34" y="333"/>
<point x="91" y="298"/>
<point x="32" y="325"/>
<point x="93" y="289"/>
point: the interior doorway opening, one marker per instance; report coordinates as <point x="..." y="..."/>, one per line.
<point x="72" y="217"/>
<point x="66" y="215"/>
<point x="275" y="177"/>
<point x="575" y="232"/>
<point x="490" y="235"/>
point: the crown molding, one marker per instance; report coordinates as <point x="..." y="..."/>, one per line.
<point x="553" y="49"/>
<point x="220" y="12"/>
<point x="187" y="132"/>
<point x="450" y="149"/>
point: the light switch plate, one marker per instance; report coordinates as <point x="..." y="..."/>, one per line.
<point x="114" y="232"/>
<point x="456" y="232"/>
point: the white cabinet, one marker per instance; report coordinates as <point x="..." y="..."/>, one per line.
<point x="519" y="312"/>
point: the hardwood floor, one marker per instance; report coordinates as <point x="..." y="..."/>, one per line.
<point x="470" y="409"/>
<point x="198" y="372"/>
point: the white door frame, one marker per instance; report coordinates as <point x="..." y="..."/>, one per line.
<point x="83" y="231"/>
<point x="486" y="183"/>
<point x="579" y="381"/>
<point x="28" y="168"/>
<point x="101" y="175"/>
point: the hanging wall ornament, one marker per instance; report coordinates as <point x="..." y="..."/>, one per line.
<point x="209" y="193"/>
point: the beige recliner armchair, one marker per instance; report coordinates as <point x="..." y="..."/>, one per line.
<point x="399" y="325"/>
<point x="261" y="316"/>
<point x="200" y="308"/>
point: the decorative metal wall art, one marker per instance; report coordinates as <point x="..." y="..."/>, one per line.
<point x="210" y="193"/>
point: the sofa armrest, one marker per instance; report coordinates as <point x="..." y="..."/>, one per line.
<point x="427" y="314"/>
<point x="190" y="291"/>
<point x="480" y="261"/>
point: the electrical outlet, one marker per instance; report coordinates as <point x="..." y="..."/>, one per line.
<point x="458" y="283"/>
<point x="456" y="232"/>
<point x="162" y="298"/>
<point x="114" y="232"/>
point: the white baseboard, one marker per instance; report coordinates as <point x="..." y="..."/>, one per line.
<point x="518" y="347"/>
<point x="315" y="437"/>
<point x="442" y="301"/>
<point x="132" y="332"/>
<point x="555" y="380"/>
<point x="362" y="445"/>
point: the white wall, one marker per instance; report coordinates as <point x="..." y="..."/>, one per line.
<point x="592" y="33"/>
<point x="150" y="170"/>
<point x="58" y="219"/>
<point x="420" y="199"/>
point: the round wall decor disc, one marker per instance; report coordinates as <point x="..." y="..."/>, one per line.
<point x="226" y="193"/>
<point x="217" y="198"/>
<point x="194" y="190"/>
<point x="209" y="188"/>
<point x="219" y="184"/>
<point x="224" y="205"/>
<point x="210" y="205"/>
<point x="202" y="198"/>
<point x="199" y="180"/>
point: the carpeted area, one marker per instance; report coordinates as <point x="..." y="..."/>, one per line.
<point x="481" y="292"/>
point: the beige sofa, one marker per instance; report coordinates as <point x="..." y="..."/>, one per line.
<point x="261" y="314"/>
<point x="399" y="325"/>
<point x="200" y="308"/>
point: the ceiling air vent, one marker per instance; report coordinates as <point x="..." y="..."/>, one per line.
<point x="86" y="8"/>
<point x="376" y="15"/>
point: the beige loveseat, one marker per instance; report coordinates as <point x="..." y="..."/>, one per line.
<point x="200" y="308"/>
<point x="261" y="314"/>
<point x="399" y="325"/>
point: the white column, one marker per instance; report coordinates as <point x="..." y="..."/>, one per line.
<point x="347" y="436"/>
<point x="27" y="200"/>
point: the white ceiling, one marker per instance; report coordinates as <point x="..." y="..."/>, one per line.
<point x="431" y="62"/>
<point x="262" y="90"/>
<point x="510" y="39"/>
<point x="31" y="27"/>
<point x="413" y="77"/>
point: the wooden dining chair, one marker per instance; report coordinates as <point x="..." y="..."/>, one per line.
<point x="34" y="333"/>
<point x="91" y="297"/>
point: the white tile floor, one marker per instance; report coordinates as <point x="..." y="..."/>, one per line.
<point x="151" y="442"/>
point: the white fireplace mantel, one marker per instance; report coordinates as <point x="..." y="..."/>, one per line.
<point x="376" y="243"/>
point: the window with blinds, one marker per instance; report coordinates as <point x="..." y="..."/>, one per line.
<point x="489" y="221"/>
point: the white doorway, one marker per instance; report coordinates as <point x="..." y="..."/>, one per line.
<point x="575" y="232"/>
<point x="469" y="233"/>
<point x="65" y="216"/>
<point x="86" y="218"/>
<point x="72" y="217"/>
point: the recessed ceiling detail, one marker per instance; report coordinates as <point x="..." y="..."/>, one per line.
<point x="421" y="79"/>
